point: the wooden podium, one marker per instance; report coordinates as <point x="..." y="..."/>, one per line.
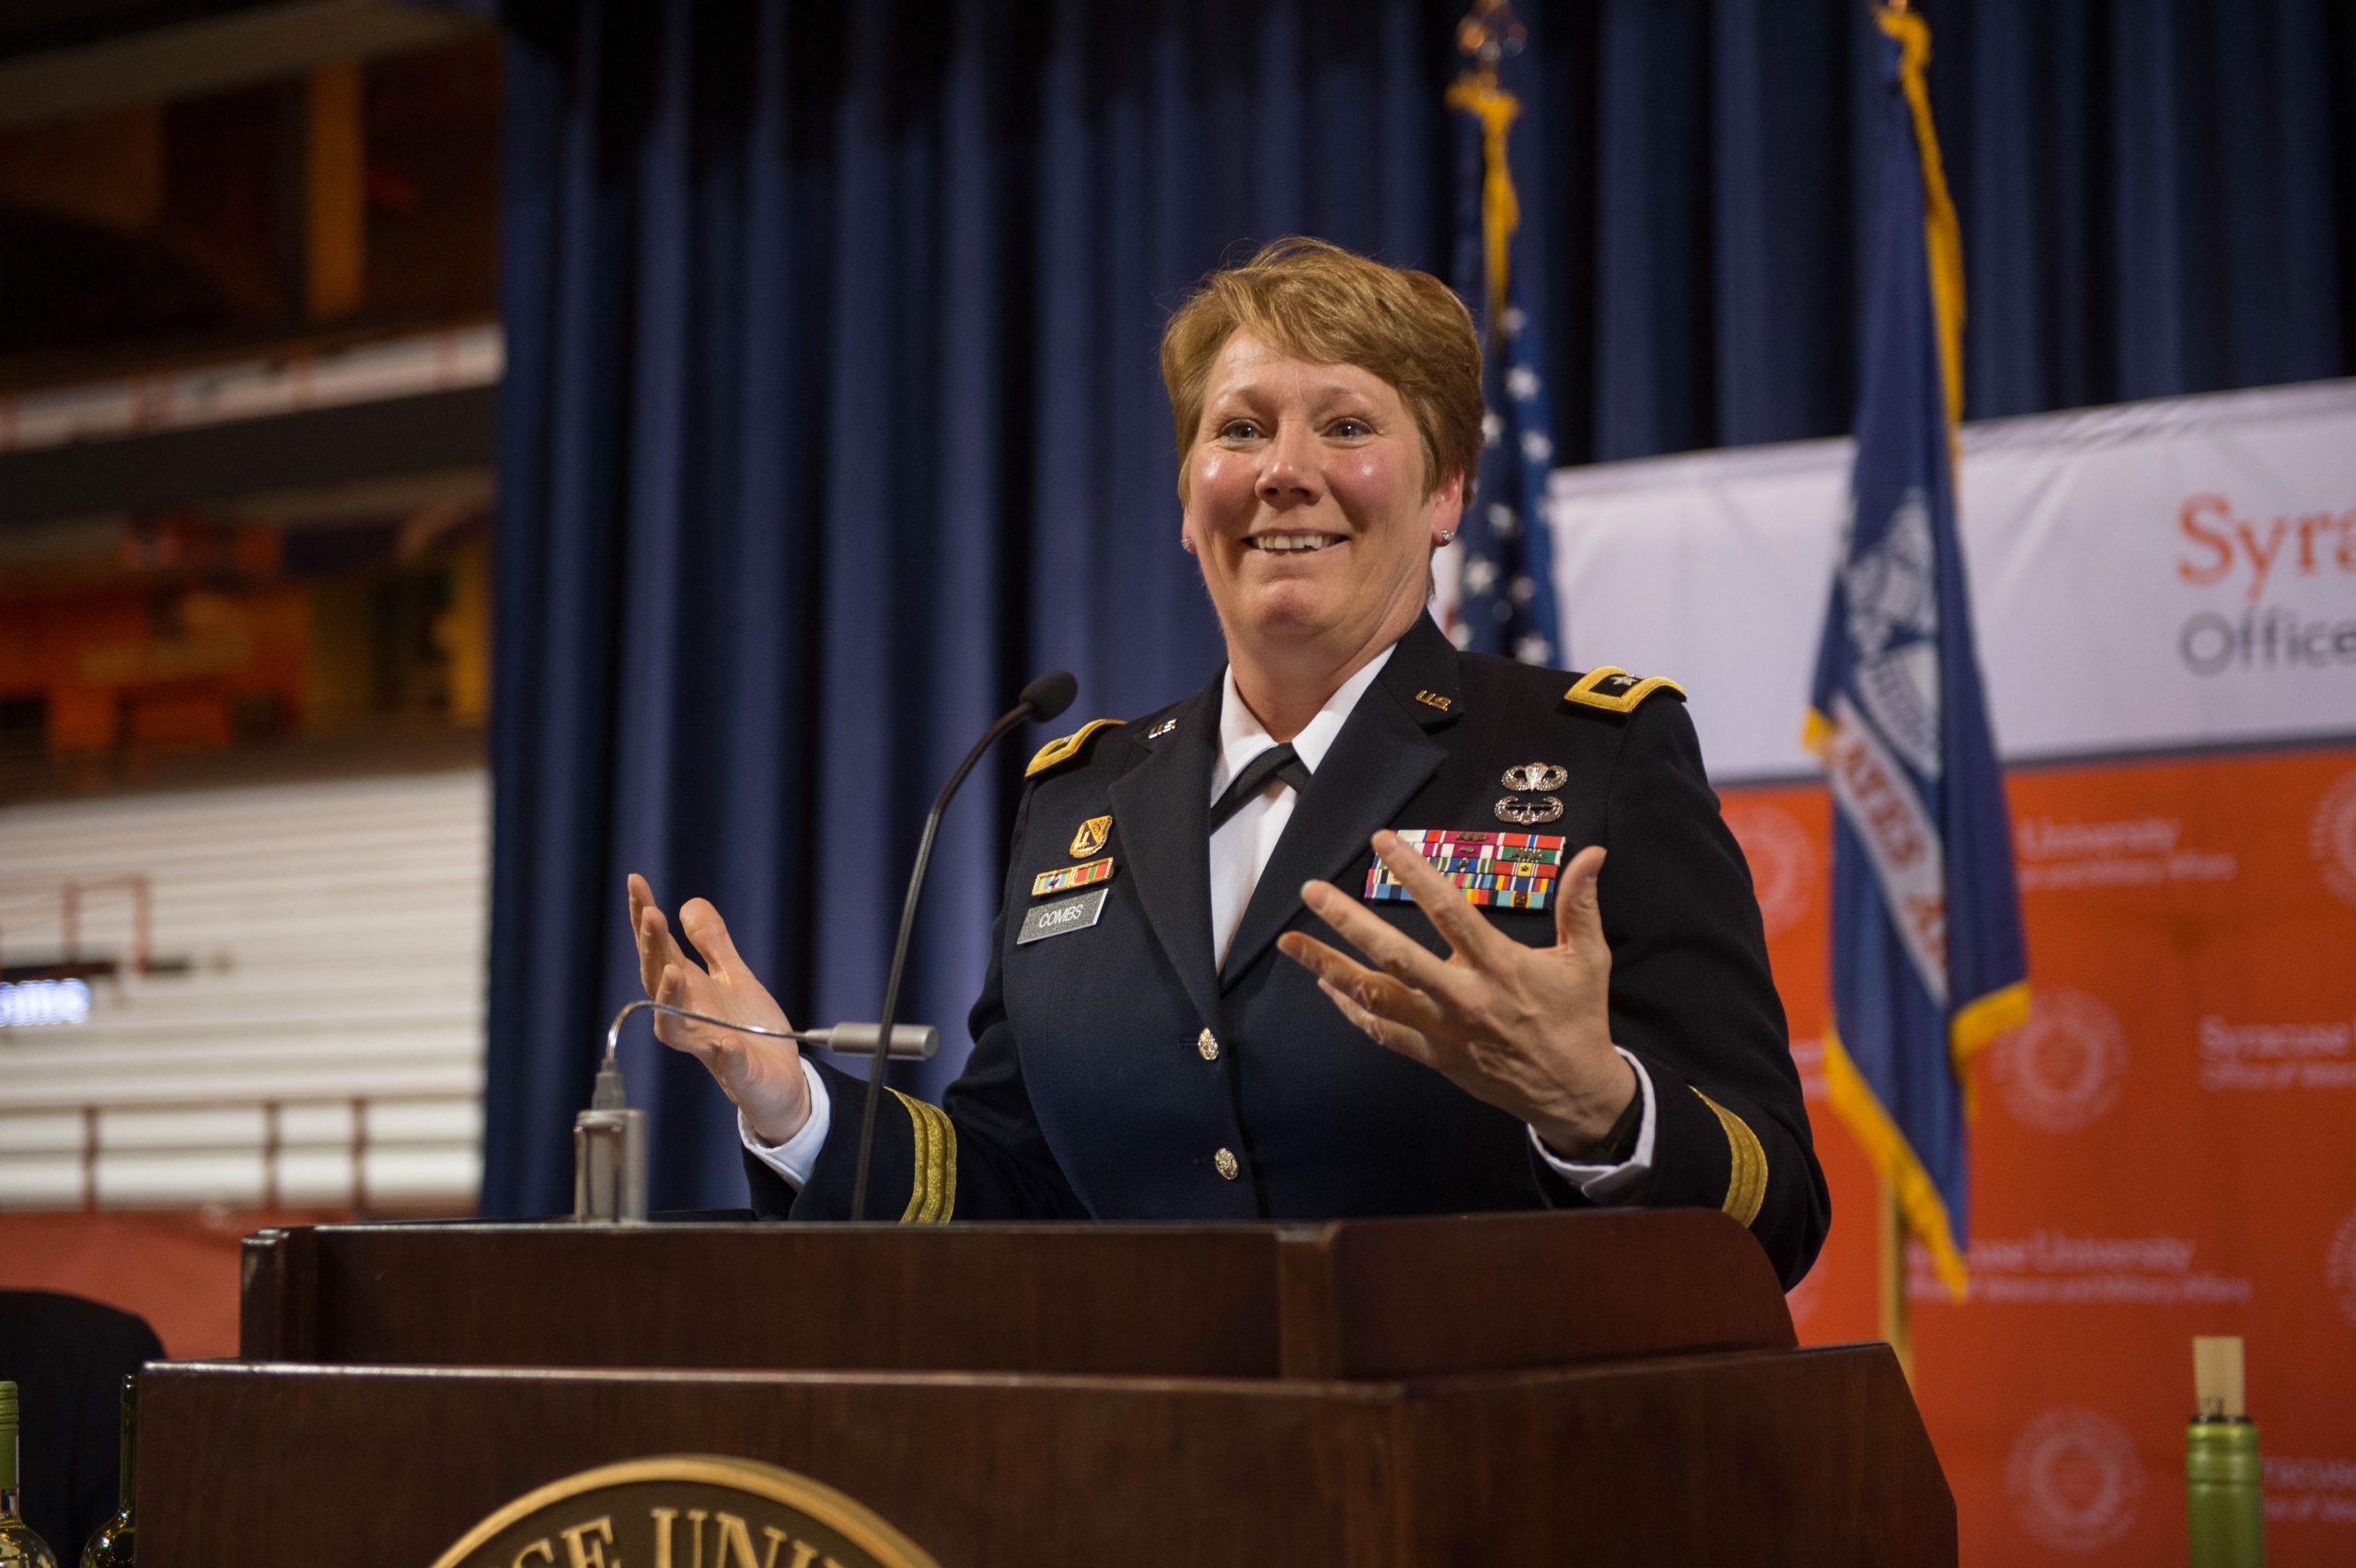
<point x="1613" y="1388"/>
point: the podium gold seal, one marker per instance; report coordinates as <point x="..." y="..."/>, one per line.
<point x="685" y="1510"/>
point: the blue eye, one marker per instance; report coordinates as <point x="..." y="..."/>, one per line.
<point x="1239" y="430"/>
<point x="1350" y="429"/>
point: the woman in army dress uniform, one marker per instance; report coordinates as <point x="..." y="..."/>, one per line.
<point x="1336" y="935"/>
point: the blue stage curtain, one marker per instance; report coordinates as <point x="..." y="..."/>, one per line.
<point x="832" y="414"/>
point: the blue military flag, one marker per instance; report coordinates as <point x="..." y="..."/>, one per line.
<point x="1505" y="579"/>
<point x="1927" y="963"/>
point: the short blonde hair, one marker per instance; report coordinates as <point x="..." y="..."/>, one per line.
<point x="1338" y="307"/>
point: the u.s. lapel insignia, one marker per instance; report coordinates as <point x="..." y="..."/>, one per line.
<point x="1091" y="836"/>
<point x="1434" y="699"/>
<point x="1162" y="729"/>
<point x="1524" y="814"/>
<point x="1537" y="778"/>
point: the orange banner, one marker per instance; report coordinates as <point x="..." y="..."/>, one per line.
<point x="2167" y="1148"/>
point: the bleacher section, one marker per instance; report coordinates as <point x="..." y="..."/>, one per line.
<point x="318" y="972"/>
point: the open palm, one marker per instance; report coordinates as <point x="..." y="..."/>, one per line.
<point x="762" y="1076"/>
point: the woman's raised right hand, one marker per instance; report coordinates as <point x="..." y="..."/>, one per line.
<point x="761" y="1077"/>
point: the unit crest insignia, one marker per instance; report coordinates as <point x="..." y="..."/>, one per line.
<point x="1091" y="836"/>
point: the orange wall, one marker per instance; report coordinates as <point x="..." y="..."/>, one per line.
<point x="178" y="1270"/>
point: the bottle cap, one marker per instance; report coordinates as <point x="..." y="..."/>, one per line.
<point x="2217" y="1378"/>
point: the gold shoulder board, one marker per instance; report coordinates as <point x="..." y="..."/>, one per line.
<point x="1616" y="691"/>
<point x="1058" y="752"/>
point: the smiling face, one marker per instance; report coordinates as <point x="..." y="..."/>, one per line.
<point x="1307" y="506"/>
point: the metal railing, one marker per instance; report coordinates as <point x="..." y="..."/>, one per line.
<point x="70" y="892"/>
<point x="356" y="1145"/>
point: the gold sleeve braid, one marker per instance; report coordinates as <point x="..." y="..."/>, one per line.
<point x="1746" y="1186"/>
<point x="932" y="1190"/>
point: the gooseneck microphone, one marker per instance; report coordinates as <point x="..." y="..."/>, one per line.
<point x="910" y="1042"/>
<point x="609" y="1138"/>
<point x="1040" y="700"/>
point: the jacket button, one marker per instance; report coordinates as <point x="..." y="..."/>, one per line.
<point x="1224" y="1163"/>
<point x="1207" y="1043"/>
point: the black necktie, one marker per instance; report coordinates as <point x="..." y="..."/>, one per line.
<point x="1277" y="762"/>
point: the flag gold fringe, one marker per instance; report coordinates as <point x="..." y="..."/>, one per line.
<point x="1815" y="732"/>
<point x="1979" y="1021"/>
<point x="1893" y="1158"/>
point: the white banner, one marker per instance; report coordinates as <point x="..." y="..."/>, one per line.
<point x="2161" y="575"/>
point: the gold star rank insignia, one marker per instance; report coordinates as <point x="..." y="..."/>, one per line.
<point x="1091" y="836"/>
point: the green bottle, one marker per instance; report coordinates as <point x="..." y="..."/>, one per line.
<point x="109" y="1544"/>
<point x="19" y="1547"/>
<point x="2223" y="1507"/>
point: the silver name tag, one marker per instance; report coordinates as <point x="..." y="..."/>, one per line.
<point x="1076" y="913"/>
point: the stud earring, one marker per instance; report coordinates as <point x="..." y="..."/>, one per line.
<point x="1447" y="535"/>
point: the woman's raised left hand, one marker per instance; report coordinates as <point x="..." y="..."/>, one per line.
<point x="1526" y="1029"/>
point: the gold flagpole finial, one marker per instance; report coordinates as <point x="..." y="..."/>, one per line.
<point x="1491" y="32"/>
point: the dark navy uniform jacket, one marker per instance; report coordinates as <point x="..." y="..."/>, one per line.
<point x="1119" y="1073"/>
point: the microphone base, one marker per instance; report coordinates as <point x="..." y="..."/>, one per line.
<point x="609" y="1167"/>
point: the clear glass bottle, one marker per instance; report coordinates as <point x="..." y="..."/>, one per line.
<point x="19" y="1547"/>
<point x="109" y="1544"/>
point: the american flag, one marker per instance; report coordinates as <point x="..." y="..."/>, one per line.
<point x="1506" y="583"/>
<point x="1505" y="579"/>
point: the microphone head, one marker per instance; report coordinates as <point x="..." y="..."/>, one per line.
<point x="1049" y="694"/>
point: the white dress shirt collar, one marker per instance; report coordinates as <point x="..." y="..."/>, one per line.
<point x="1242" y="736"/>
